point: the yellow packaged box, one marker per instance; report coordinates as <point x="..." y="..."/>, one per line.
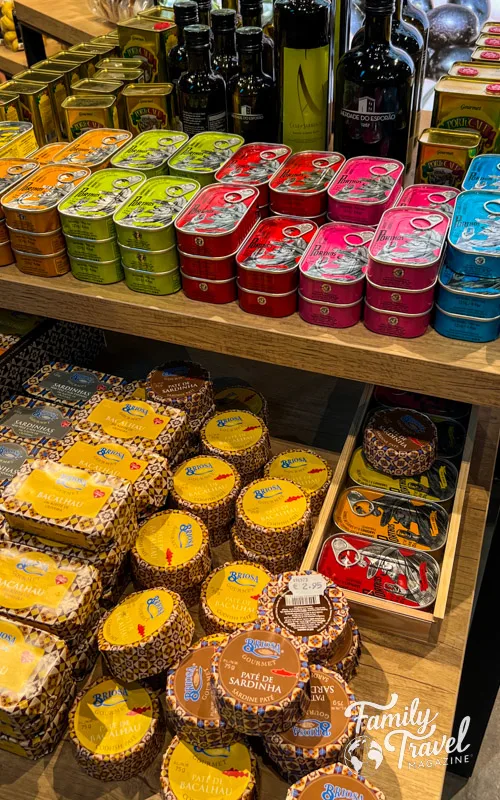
<point x="275" y="563"/>
<point x="24" y="419"/>
<point x="230" y="596"/>
<point x="150" y="107"/>
<point x="239" y="437"/>
<point x="70" y="505"/>
<point x="35" y="675"/>
<point x="36" y="107"/>
<point x="44" y="742"/>
<point x="72" y="386"/>
<point x="116" y="729"/>
<point x="137" y="424"/>
<point x="17" y="139"/>
<point x="85" y="112"/>
<point x="93" y="149"/>
<point x="147" y="39"/>
<point x="51" y="592"/>
<point x="305" y="467"/>
<point x="145" y="634"/>
<point x="469" y="105"/>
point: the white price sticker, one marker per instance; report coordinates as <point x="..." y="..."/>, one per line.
<point x="307" y="585"/>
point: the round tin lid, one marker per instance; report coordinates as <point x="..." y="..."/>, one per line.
<point x="333" y="783"/>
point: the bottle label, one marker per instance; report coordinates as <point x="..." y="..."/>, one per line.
<point x="305" y="98"/>
<point x="199" y="122"/>
<point x="375" y="122"/>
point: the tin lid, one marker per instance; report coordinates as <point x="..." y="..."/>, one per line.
<point x="253" y="163"/>
<point x="216" y="210"/>
<point x="40" y="76"/>
<point x="465" y="140"/>
<point x="120" y="75"/>
<point x="450" y="84"/>
<point x="475" y="222"/>
<point x="145" y="24"/>
<point x="367" y="180"/>
<point x="119" y="63"/>
<point x="147" y="90"/>
<point x="205" y="152"/>
<point x="96" y="86"/>
<point x="89" y="101"/>
<point x="429" y="196"/>
<point x="149" y="150"/>
<point x="71" y="57"/>
<point x="337" y="253"/>
<point x="26" y="87"/>
<point x="484" y="54"/>
<point x="410" y="236"/>
<point x="276" y="244"/>
<point x="45" y="188"/>
<point x="483" y="173"/>
<point x="306" y="173"/>
<point x="156" y="203"/>
<point x="101" y="194"/>
<point x="457" y="283"/>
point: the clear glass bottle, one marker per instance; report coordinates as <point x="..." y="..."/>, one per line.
<point x="251" y="16"/>
<point x="202" y="93"/>
<point x="374" y="92"/>
<point x="251" y="93"/>
<point x="302" y="61"/>
<point x="224" y="58"/>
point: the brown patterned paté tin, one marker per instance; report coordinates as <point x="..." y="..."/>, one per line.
<point x="399" y="441"/>
<point x="182" y="384"/>
<point x="230" y="596"/>
<point x="332" y="782"/>
<point x="275" y="563"/>
<point x="345" y="658"/>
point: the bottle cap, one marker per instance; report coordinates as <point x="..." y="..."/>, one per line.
<point x="251" y="5"/>
<point x="206" y="5"/>
<point x="185" y="12"/>
<point x="381" y="7"/>
<point x="249" y="38"/>
<point x="197" y="35"/>
<point x="223" y="19"/>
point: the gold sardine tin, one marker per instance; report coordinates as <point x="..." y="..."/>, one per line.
<point x="444" y="156"/>
<point x="469" y="105"/>
<point x="87" y="112"/>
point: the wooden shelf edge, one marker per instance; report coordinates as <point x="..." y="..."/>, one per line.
<point x="11" y="62"/>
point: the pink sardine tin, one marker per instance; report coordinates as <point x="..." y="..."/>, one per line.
<point x="217" y="220"/>
<point x="329" y="315"/>
<point x="299" y="187"/>
<point x="268" y="259"/>
<point x="392" y="323"/>
<point x="428" y="195"/>
<point x="333" y="267"/>
<point x="406" y="301"/>
<point x="364" y="188"/>
<point x="407" y="239"/>
<point x="254" y="164"/>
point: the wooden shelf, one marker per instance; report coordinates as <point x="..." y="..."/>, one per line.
<point x="68" y="21"/>
<point x="431" y="364"/>
<point x="11" y="63"/>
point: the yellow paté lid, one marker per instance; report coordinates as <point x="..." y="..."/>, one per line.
<point x="301" y="466"/>
<point x="204" y="480"/>
<point x="170" y="539"/>
<point x="18" y="658"/>
<point x="233" y="431"/>
<point x="274" y="503"/>
<point x="109" y="458"/>
<point x="137" y="618"/>
<point x="227" y="770"/>
<point x="232" y="592"/>
<point x="239" y="397"/>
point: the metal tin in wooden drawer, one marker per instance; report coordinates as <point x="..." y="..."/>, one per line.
<point x="203" y="154"/>
<point x="88" y="211"/>
<point x="217" y="220"/>
<point x="254" y="164"/>
<point x="429" y="196"/>
<point x="392" y="518"/>
<point x="474" y="236"/>
<point x="42" y="244"/>
<point x="268" y="259"/>
<point x="483" y="173"/>
<point x="93" y="149"/>
<point x="32" y="204"/>
<point x="299" y="187"/>
<point x="408" y="238"/>
<point x="383" y="570"/>
<point x="149" y="152"/>
<point x="364" y="188"/>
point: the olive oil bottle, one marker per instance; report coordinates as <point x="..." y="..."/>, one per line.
<point x="185" y="13"/>
<point x="202" y="93"/>
<point x="251" y="93"/>
<point x="224" y="58"/>
<point x="302" y="57"/>
<point x="251" y="16"/>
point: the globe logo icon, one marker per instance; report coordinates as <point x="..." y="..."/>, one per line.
<point x="361" y="748"/>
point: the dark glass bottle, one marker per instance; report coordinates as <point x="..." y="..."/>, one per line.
<point x="204" y="11"/>
<point x="202" y="94"/>
<point x="374" y="91"/>
<point x="251" y="93"/>
<point x="185" y="13"/>
<point x="251" y="16"/>
<point x="302" y="59"/>
<point x="224" y="58"/>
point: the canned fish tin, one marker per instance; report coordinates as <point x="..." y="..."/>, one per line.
<point x="45" y="266"/>
<point x="472" y="105"/>
<point x="93" y="149"/>
<point x="329" y="315"/>
<point x="102" y="272"/>
<point x="6" y="254"/>
<point x="70" y="69"/>
<point x="407" y="301"/>
<point x="267" y="304"/>
<point x="207" y="291"/>
<point x="468" y="295"/>
<point x="36" y="107"/>
<point x="149" y="152"/>
<point x="436" y="485"/>
<point x="483" y="72"/>
<point x="213" y="269"/>
<point x="429" y="196"/>
<point x="473" y="237"/>
<point x="123" y="76"/>
<point x="469" y="329"/>
<point x="12" y="172"/>
<point x="88" y="211"/>
<point x="203" y="155"/>
<point x="87" y="112"/>
<point x="147" y="39"/>
<point x="486" y="54"/>
<point x="385" y="570"/>
<point x="150" y="107"/>
<point x="42" y="244"/>
<point x="364" y="188"/>
<point x="120" y="63"/>
<point x="392" y="323"/>
<point x="95" y="250"/>
<point x="217" y="220"/>
<point x="444" y="156"/>
<point x="47" y="153"/>
<point x="59" y="89"/>
<point x="32" y="205"/>
<point x="17" y="139"/>
<point x="491" y="27"/>
<point x="299" y="187"/>
<point x="10" y="107"/>
<point x="483" y="173"/>
<point x="254" y="164"/>
<point x="145" y="221"/>
<point x="268" y="259"/>
<point x="157" y="283"/>
<point x="332" y="269"/>
<point x="148" y="260"/>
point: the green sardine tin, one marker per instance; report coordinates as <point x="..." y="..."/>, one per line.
<point x="87" y="213"/>
<point x="144" y="222"/>
<point x="95" y="249"/>
<point x="96" y="272"/>
<point x="202" y="155"/>
<point x="150" y="151"/>
<point x="153" y="282"/>
<point x="150" y="260"/>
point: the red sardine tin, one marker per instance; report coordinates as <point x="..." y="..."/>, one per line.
<point x="408" y="237"/>
<point x="266" y="304"/>
<point x="254" y="164"/>
<point x="333" y="267"/>
<point x="206" y="291"/>
<point x="268" y="259"/>
<point x="364" y="188"/>
<point x="213" y="269"/>
<point x="299" y="187"/>
<point x="428" y="195"/>
<point x="380" y="569"/>
<point x="217" y="220"/>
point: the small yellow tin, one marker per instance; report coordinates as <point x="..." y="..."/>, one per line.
<point x="444" y="156"/>
<point x="78" y="61"/>
<point x="469" y="105"/>
<point x="87" y="112"/>
<point x="90" y="86"/>
<point x="57" y="84"/>
<point x="486" y="55"/>
<point x="125" y="76"/>
<point x="17" y="139"/>
<point x="482" y="72"/>
<point x="93" y="149"/>
<point x="147" y="39"/>
<point x="491" y="27"/>
<point x="69" y="71"/>
<point x="107" y="40"/>
<point x="158" y="13"/>
<point x="150" y="107"/>
<point x="10" y="107"/>
<point x="96" y="52"/>
<point x="36" y="107"/>
<point x="489" y="40"/>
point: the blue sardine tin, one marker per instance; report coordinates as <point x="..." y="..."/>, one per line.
<point x="468" y="295"/>
<point x="469" y="329"/>
<point x="483" y="173"/>
<point x="474" y="235"/>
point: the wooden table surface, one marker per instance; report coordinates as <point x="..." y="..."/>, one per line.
<point x="69" y="21"/>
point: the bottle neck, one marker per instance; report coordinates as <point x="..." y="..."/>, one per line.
<point x="251" y="18"/>
<point x="225" y="43"/>
<point x="180" y="32"/>
<point x="378" y="28"/>
<point x="204" y="16"/>
<point x="250" y="62"/>
<point x="398" y="11"/>
<point x="198" y="59"/>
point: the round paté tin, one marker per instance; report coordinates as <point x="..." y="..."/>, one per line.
<point x="274" y="563"/>
<point x="319" y="737"/>
<point x="261" y="680"/>
<point x="145" y="634"/>
<point x="347" y="652"/>
<point x="171" y="550"/>
<point x="306" y="468"/>
<point x="230" y="771"/>
<point x="332" y="782"/>
<point x="244" y="397"/>
<point x="299" y="187"/>
<point x="429" y="196"/>
<point x="116" y="729"/>
<point x="364" y="188"/>
<point x="190" y="704"/>
<point x="183" y="384"/>
<point x="273" y="516"/>
<point x="308" y="607"/>
<point x="230" y="596"/>
<point x="254" y="164"/>
<point x="239" y="437"/>
<point x="398" y="441"/>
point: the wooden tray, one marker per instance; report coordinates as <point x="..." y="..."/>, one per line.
<point x="372" y="611"/>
